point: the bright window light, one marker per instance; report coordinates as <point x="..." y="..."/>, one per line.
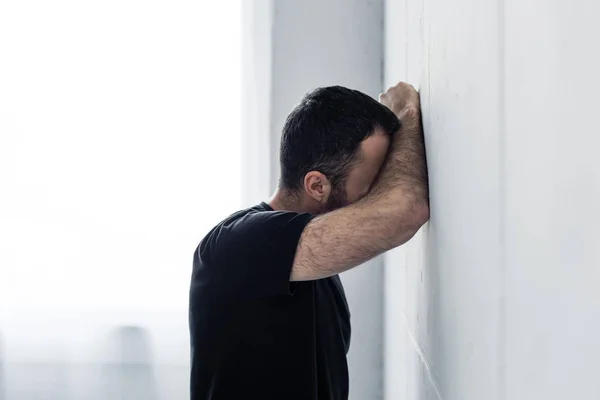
<point x="119" y="149"/>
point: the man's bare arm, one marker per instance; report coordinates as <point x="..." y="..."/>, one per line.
<point x="394" y="210"/>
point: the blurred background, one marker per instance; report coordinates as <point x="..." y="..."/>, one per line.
<point x="120" y="144"/>
<point x="129" y="128"/>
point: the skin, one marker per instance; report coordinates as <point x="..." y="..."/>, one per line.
<point x="387" y="198"/>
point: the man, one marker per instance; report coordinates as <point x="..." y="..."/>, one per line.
<point x="268" y="314"/>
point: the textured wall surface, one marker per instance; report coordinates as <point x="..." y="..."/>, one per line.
<point x="495" y="297"/>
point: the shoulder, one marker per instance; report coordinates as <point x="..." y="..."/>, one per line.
<point x="262" y="223"/>
<point x="249" y="255"/>
<point x="253" y="228"/>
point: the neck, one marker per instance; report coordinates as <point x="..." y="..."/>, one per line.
<point x="284" y="200"/>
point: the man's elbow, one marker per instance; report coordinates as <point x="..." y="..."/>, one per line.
<point x="410" y="222"/>
<point x="421" y="214"/>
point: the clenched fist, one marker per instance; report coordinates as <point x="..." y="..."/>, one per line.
<point x="401" y="98"/>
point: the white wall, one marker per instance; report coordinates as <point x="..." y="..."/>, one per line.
<point x="317" y="43"/>
<point x="495" y="298"/>
<point x="552" y="200"/>
<point x="257" y="140"/>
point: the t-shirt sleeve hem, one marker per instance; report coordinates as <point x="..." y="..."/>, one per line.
<point x="287" y="245"/>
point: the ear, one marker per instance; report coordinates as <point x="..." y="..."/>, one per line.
<point x="317" y="186"/>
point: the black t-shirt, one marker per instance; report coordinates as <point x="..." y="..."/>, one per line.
<point x="254" y="334"/>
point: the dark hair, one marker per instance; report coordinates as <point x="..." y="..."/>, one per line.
<point x="323" y="133"/>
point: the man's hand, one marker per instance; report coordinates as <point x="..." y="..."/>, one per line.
<point x="400" y="99"/>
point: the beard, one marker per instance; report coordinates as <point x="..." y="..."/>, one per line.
<point x="337" y="199"/>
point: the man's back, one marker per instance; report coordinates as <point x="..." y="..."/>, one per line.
<point x="255" y="334"/>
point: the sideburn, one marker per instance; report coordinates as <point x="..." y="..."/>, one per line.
<point x="337" y="198"/>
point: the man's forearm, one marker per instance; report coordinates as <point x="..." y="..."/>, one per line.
<point x="392" y="212"/>
<point x="405" y="171"/>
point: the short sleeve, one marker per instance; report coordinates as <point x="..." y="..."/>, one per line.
<point x="252" y="256"/>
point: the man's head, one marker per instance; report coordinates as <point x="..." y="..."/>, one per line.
<point x="333" y="145"/>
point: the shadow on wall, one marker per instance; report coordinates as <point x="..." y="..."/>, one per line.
<point x="432" y="345"/>
<point x="424" y="314"/>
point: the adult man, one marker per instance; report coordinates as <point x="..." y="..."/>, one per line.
<point x="268" y="314"/>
